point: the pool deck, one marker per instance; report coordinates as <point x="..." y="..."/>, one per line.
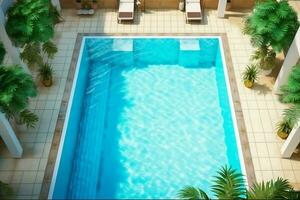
<point x="261" y="108"/>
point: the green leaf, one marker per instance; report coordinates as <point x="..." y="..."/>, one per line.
<point x="192" y="193"/>
<point x="228" y="184"/>
<point x="278" y="189"/>
<point x="28" y="118"/>
<point x="50" y="49"/>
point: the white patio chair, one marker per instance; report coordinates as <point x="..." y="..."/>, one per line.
<point x="193" y="10"/>
<point x="126" y="10"/>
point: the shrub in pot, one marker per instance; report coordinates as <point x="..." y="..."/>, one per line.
<point x="291" y="117"/>
<point x="46" y="72"/>
<point x="272" y="24"/>
<point x="283" y="129"/>
<point x="250" y="75"/>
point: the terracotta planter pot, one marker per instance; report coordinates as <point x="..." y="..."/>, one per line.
<point x="283" y="135"/>
<point x="248" y="84"/>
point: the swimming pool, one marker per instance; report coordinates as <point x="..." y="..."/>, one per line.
<point x="149" y="115"/>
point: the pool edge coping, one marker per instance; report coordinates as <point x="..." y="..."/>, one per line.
<point x="235" y="98"/>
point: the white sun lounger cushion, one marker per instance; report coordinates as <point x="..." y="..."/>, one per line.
<point x="126" y="1"/>
<point x="193" y="7"/>
<point x="126" y="7"/>
<point x="193" y="1"/>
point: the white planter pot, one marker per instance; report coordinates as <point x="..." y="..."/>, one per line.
<point x="181" y="6"/>
<point x="266" y="72"/>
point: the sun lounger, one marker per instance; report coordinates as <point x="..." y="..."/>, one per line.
<point x="126" y="10"/>
<point x="193" y="10"/>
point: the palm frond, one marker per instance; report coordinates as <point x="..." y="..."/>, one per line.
<point x="49" y="48"/>
<point x="228" y="184"/>
<point x="15" y="90"/>
<point x="192" y="193"/>
<point x="272" y="23"/>
<point x="277" y="189"/>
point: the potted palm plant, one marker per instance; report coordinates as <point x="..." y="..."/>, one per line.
<point x="46" y="72"/>
<point x="250" y="75"/>
<point x="283" y="129"/>
<point x="269" y="31"/>
<point x="291" y="117"/>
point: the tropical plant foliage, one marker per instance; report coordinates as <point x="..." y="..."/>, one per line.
<point x="292" y="114"/>
<point x="30" y="24"/>
<point x="284" y="126"/>
<point x="272" y="23"/>
<point x="46" y="71"/>
<point x="30" y="21"/>
<point x="2" y="53"/>
<point x="250" y="73"/>
<point x="229" y="184"/>
<point x="15" y="90"/>
<point x="290" y="93"/>
<point x="265" y="57"/>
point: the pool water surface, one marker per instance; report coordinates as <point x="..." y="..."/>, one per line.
<point x="148" y="117"/>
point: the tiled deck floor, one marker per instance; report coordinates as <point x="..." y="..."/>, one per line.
<point x="260" y="106"/>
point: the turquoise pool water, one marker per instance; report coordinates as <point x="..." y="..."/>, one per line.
<point x="148" y="117"/>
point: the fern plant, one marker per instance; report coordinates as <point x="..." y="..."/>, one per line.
<point x="272" y="23"/>
<point x="15" y="90"/>
<point x="290" y="92"/>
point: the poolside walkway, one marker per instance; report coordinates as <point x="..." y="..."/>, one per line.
<point x="261" y="107"/>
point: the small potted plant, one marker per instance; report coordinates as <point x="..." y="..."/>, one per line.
<point x="250" y="75"/>
<point x="46" y="72"/>
<point x="283" y="129"/>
